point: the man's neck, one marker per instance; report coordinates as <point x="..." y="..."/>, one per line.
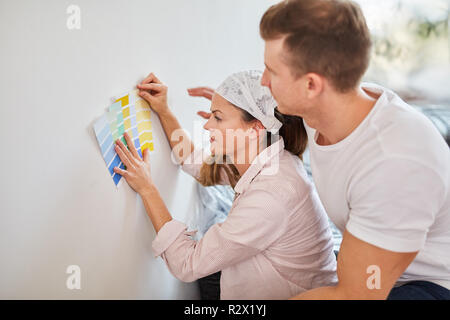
<point x="340" y="115"/>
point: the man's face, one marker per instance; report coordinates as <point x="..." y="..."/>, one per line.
<point x="288" y="91"/>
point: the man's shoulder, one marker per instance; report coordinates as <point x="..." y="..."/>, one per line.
<point x="402" y="130"/>
<point x="402" y="139"/>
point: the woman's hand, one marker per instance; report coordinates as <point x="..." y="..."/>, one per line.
<point x="137" y="173"/>
<point x="205" y="92"/>
<point x="155" y="93"/>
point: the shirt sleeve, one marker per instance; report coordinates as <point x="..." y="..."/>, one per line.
<point x="393" y="205"/>
<point x="193" y="163"/>
<point x="252" y="226"/>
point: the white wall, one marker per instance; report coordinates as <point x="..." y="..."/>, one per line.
<point x="59" y="206"/>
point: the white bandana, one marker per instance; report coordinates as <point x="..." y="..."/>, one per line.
<point x="244" y="90"/>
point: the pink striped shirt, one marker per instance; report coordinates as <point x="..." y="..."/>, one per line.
<point x="275" y="242"/>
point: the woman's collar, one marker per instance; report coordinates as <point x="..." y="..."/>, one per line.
<point x="261" y="160"/>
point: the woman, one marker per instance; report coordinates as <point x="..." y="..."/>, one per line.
<point x="276" y="241"/>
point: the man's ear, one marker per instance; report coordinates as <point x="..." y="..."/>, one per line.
<point x="314" y="84"/>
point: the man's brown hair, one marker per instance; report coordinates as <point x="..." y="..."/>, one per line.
<point x="327" y="37"/>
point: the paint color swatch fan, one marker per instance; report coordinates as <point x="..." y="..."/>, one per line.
<point x="131" y="114"/>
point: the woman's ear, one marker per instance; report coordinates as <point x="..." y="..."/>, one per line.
<point x="256" y="128"/>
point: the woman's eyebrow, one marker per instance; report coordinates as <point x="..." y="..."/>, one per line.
<point x="216" y="110"/>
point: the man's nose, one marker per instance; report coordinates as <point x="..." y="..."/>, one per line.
<point x="265" y="79"/>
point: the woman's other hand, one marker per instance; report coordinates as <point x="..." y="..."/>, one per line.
<point x="205" y="92"/>
<point x="137" y="171"/>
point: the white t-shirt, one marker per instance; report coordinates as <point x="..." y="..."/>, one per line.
<point x="387" y="183"/>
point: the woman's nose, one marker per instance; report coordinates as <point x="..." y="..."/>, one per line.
<point x="207" y="125"/>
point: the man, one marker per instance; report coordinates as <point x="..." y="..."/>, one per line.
<point x="382" y="170"/>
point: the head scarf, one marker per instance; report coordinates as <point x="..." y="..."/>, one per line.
<point x="244" y="90"/>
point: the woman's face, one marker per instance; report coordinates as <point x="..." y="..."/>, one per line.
<point x="229" y="134"/>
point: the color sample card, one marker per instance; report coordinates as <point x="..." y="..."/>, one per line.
<point x="105" y="140"/>
<point x="131" y="114"/>
<point x="128" y="113"/>
<point x="144" y="124"/>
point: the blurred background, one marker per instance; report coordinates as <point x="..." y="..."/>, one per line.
<point x="411" y="53"/>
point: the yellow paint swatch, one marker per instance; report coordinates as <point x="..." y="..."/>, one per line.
<point x="126" y="112"/>
<point x="147" y="145"/>
<point x="127" y="124"/>
<point x="144" y="125"/>
<point x="140" y="109"/>
<point x="143" y="115"/>
<point x="142" y="105"/>
<point x="146" y="136"/>
<point x="124" y="100"/>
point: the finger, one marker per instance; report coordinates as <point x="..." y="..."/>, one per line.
<point x="123" y="155"/>
<point x="205" y="92"/>
<point x="195" y="92"/>
<point x="152" y="86"/>
<point x="204" y="114"/>
<point x="127" y="153"/>
<point x="200" y="90"/>
<point x="131" y="146"/>
<point x="122" y="172"/>
<point x="151" y="78"/>
<point x="210" y="91"/>
<point x="147" y="96"/>
<point x="146" y="156"/>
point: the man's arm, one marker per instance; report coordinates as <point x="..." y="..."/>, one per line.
<point x="360" y="265"/>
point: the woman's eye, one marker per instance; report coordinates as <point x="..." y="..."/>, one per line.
<point x="217" y="118"/>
